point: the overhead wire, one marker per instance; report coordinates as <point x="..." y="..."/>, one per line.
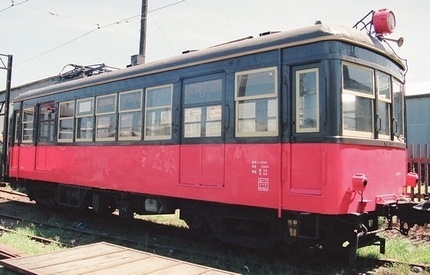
<point x="139" y="16"/>
<point x="13" y="4"/>
<point x="126" y="20"/>
<point x="164" y="36"/>
<point x="53" y="49"/>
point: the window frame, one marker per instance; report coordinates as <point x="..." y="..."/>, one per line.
<point x="149" y="109"/>
<point x="254" y="99"/>
<point x="130" y="111"/>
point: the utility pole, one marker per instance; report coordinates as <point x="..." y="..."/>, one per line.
<point x="143" y="21"/>
<point x="6" y="102"/>
<point x="138" y="59"/>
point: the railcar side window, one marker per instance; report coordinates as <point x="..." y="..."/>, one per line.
<point x="398" y="111"/>
<point x="384" y="105"/>
<point x="66" y="125"/>
<point x="46" y="125"/>
<point x="130" y="115"/>
<point x="84" y="119"/>
<point x="307" y="103"/>
<point x="256" y="96"/>
<point x="202" y="118"/>
<point x="106" y="117"/>
<point x="158" y="113"/>
<point x="27" y="125"/>
<point x="357" y="99"/>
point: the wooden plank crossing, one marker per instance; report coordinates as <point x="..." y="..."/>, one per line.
<point x="104" y="258"/>
<point x="7" y="252"/>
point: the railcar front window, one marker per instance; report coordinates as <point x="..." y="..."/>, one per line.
<point x="27" y="125"/>
<point x="46" y="122"/>
<point x="256" y="96"/>
<point x="398" y="111"/>
<point x="130" y="115"/>
<point x="158" y="113"/>
<point x="357" y="101"/>
<point x="307" y="92"/>
<point x="84" y="119"/>
<point x="106" y="117"/>
<point x="66" y="121"/>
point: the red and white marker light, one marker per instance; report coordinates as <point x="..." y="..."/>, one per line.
<point x="384" y="21"/>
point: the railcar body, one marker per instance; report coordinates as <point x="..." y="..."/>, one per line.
<point x="297" y="135"/>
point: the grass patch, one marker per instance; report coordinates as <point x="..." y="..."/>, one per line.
<point x="400" y="248"/>
<point x="21" y="241"/>
<point x="165" y="219"/>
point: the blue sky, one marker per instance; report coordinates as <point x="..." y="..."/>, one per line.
<point x="45" y="35"/>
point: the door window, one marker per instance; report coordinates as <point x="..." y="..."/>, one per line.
<point x="203" y="109"/>
<point x="27" y="125"/>
<point x="46" y="122"/>
<point x="307" y="101"/>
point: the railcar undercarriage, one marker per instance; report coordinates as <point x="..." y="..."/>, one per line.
<point x="246" y="226"/>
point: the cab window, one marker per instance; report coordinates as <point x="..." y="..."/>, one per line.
<point x="358" y="101"/>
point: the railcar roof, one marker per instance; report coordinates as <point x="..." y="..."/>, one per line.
<point x="307" y="35"/>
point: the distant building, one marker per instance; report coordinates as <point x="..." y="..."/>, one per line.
<point x="15" y="91"/>
<point x="418" y="115"/>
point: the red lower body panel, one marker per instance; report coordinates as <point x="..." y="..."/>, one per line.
<point x="300" y="177"/>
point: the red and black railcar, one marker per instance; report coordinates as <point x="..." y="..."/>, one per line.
<point x="290" y="137"/>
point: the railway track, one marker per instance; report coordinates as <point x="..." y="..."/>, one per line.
<point x="83" y="230"/>
<point x="415" y="267"/>
<point x="172" y="242"/>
